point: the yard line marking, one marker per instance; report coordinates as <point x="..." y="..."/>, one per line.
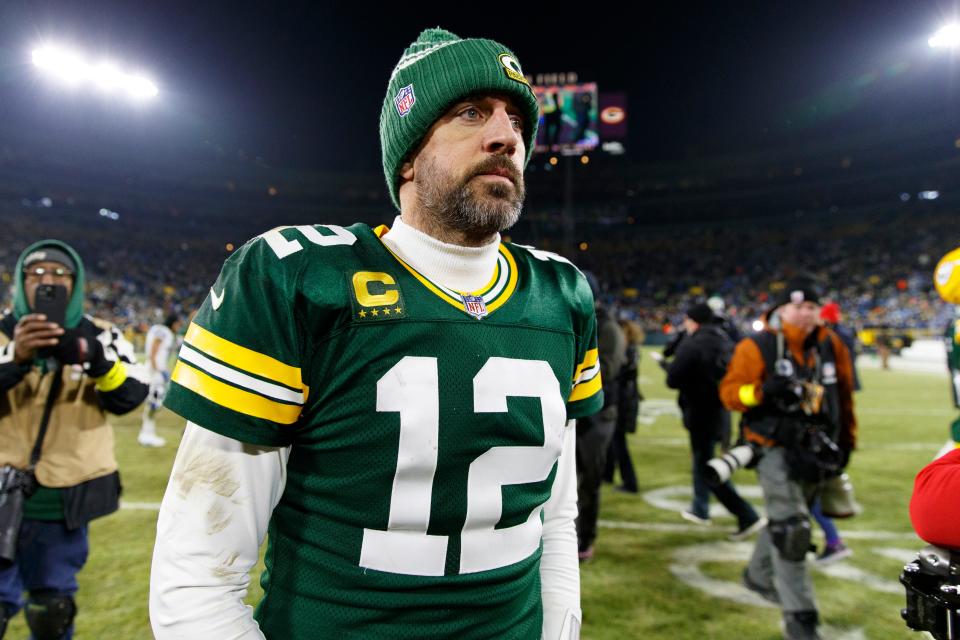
<point x="896" y="553"/>
<point x="666" y="442"/>
<point x="845" y="571"/>
<point x="658" y="527"/>
<point x="881" y="535"/>
<point x="900" y="411"/>
<point x="904" y="446"/>
<point x="653" y="408"/>
<point x="140" y="506"/>
<point x="685" y="566"/>
<point x="666" y="527"/>
<point x="833" y="632"/>
<point x="677" y="498"/>
<point x="892" y="446"/>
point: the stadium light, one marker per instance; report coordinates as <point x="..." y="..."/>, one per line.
<point x="947" y="36"/>
<point x="72" y="69"/>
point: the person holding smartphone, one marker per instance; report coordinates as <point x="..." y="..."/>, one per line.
<point x="61" y="372"/>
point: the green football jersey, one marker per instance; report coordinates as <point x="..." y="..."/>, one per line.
<point x="425" y="427"/>
<point x="951" y="340"/>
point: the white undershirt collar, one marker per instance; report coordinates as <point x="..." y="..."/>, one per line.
<point x="449" y="265"/>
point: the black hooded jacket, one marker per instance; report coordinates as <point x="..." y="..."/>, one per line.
<point x="697" y="368"/>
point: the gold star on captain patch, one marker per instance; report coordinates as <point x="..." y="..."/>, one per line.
<point x="363" y="314"/>
<point x="398" y="309"/>
<point x="386" y="312"/>
<point x="374" y="313"/>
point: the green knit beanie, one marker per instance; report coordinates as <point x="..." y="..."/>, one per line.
<point x="436" y="71"/>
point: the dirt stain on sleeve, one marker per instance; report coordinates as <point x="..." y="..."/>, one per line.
<point x="213" y="471"/>
<point x="206" y="468"/>
<point x="225" y="570"/>
<point x="217" y="518"/>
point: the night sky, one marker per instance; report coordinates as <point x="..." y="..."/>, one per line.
<point x="301" y="83"/>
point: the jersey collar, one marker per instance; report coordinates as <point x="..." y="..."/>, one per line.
<point x="479" y="303"/>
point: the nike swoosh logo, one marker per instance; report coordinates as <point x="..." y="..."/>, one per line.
<point x="216" y="300"/>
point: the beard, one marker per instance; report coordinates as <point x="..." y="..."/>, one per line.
<point x="475" y="207"/>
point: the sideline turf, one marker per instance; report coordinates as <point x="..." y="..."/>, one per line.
<point x="628" y="590"/>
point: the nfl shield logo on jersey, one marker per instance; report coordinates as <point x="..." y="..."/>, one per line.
<point x="404" y="100"/>
<point x="475" y="306"/>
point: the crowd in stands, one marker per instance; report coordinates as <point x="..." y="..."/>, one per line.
<point x="879" y="270"/>
<point x="135" y="277"/>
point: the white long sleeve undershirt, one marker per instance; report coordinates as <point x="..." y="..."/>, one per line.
<point x="221" y="495"/>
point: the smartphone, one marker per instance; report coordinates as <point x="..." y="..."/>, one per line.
<point x="51" y="301"/>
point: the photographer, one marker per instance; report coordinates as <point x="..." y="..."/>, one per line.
<point x="793" y="382"/>
<point x="60" y="373"/>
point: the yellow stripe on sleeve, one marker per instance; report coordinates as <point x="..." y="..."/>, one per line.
<point x="589" y="360"/>
<point x="233" y="398"/>
<point x="748" y="395"/>
<point x="242" y="358"/>
<point x="587" y="389"/>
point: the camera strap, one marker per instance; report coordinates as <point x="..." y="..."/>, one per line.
<point x="804" y="371"/>
<point x="45" y="419"/>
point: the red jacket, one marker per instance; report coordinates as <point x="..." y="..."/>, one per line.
<point x="933" y="507"/>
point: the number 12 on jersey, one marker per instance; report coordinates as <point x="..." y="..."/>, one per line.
<point x="411" y="388"/>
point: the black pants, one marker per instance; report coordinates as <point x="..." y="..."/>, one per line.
<point x="593" y="440"/>
<point x="618" y="457"/>
<point x="704" y="435"/>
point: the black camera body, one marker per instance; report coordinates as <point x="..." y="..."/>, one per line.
<point x="932" y="584"/>
<point x="813" y="456"/>
<point x="16" y="485"/>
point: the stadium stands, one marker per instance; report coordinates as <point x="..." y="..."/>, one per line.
<point x="658" y="237"/>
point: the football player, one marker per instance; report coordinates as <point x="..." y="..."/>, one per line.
<point x="946" y="280"/>
<point x="393" y="408"/>
<point x="160" y="341"/>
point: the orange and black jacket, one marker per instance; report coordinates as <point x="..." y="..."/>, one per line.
<point x="740" y="389"/>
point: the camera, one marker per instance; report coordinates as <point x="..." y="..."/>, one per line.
<point x="16" y="485"/>
<point x="932" y="583"/>
<point x="720" y="469"/>
<point x="800" y="395"/>
<point x="811" y="455"/>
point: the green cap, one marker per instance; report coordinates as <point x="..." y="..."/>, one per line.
<point x="436" y="71"/>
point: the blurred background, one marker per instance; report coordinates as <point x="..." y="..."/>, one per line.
<point x="686" y="151"/>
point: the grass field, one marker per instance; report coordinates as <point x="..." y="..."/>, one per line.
<point x="654" y="576"/>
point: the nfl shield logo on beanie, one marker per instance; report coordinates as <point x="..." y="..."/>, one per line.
<point x="404" y="100"/>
